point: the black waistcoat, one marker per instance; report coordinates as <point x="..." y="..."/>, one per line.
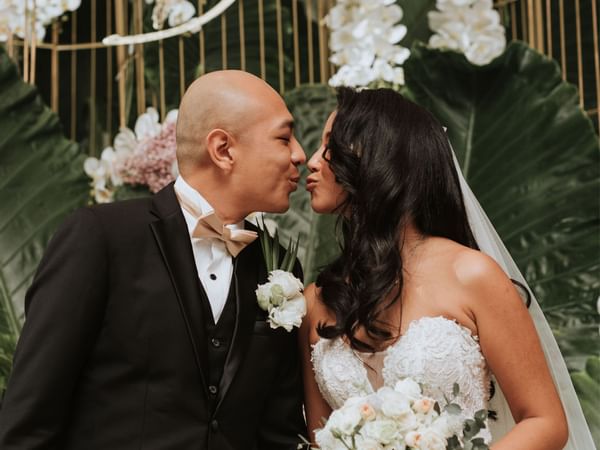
<point x="219" y="337"/>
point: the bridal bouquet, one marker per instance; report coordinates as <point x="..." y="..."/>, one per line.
<point x="401" y="418"/>
<point x="282" y="297"/>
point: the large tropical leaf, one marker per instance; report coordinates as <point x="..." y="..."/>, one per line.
<point x="415" y="19"/>
<point x="41" y="180"/>
<point x="531" y="156"/>
<point x="310" y="106"/>
<point x="587" y="385"/>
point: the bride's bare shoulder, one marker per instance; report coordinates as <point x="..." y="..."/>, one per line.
<point x="316" y="311"/>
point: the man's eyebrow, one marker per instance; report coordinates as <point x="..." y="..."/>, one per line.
<point x="287" y="124"/>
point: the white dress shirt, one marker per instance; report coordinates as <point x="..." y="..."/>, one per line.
<point x="213" y="262"/>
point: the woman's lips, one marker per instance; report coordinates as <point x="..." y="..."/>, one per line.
<point x="310" y="185"/>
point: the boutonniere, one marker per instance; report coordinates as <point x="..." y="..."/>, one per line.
<point x="282" y="296"/>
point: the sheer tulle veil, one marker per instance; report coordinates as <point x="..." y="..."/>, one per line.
<point x="490" y="243"/>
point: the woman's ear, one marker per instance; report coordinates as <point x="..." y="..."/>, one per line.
<point x="218" y="145"/>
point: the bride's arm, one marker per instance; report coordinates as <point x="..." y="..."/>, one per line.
<point x="316" y="408"/>
<point x="513" y="352"/>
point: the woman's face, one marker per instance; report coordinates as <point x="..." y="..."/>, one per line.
<point x="326" y="194"/>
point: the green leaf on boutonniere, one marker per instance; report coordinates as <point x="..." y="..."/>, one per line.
<point x="271" y="249"/>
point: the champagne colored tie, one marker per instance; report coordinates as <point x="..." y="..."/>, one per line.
<point x="209" y="226"/>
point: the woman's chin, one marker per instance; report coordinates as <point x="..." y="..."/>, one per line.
<point x="319" y="207"/>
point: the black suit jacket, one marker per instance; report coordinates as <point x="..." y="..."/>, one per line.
<point x="113" y="351"/>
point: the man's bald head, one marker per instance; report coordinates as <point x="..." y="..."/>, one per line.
<point x="229" y="100"/>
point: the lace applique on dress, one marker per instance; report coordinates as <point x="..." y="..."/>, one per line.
<point x="435" y="351"/>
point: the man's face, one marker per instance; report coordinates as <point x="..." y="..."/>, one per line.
<point x="266" y="167"/>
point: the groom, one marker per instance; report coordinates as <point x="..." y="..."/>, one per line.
<point x="143" y="333"/>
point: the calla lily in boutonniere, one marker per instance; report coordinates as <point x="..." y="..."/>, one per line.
<point x="282" y="296"/>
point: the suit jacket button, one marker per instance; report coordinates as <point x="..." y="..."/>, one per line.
<point x="215" y="342"/>
<point x="212" y="389"/>
<point x="214" y="426"/>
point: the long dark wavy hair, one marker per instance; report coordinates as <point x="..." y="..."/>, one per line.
<point x="393" y="159"/>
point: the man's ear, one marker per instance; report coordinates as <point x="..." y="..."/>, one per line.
<point x="218" y="145"/>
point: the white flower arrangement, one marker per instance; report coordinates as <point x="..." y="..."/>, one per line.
<point x="282" y="296"/>
<point x="471" y="27"/>
<point x="144" y="156"/>
<point x="400" y="418"/>
<point x="364" y="42"/>
<point x="176" y="12"/>
<point x="14" y="15"/>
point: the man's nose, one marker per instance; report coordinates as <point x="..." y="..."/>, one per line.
<point x="298" y="155"/>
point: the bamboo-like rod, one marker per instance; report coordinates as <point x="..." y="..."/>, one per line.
<point x="224" y="41"/>
<point x="280" y="55"/>
<point x="121" y="28"/>
<point x="242" y="34"/>
<point x="26" y="47"/>
<point x="181" y="67"/>
<point x="539" y="25"/>
<point x="74" y="77"/>
<point x="10" y="45"/>
<point x="513" y="20"/>
<point x="54" y="70"/>
<point x="549" y="27"/>
<point x="296" y="43"/>
<point x="109" y="72"/>
<point x="161" y="76"/>
<point x="531" y="37"/>
<point x="596" y="55"/>
<point x="322" y="42"/>
<point x="524" y="33"/>
<point x="140" y="83"/>
<point x="93" y="75"/>
<point x="331" y="66"/>
<point x="563" y="51"/>
<point x="202" y="43"/>
<point x="311" y="63"/>
<point x="579" y="55"/>
<point x="261" y="38"/>
<point x="33" y="45"/>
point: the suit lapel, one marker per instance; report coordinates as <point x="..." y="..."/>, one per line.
<point x="171" y="234"/>
<point x="247" y="271"/>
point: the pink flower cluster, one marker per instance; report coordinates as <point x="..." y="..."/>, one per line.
<point x="152" y="163"/>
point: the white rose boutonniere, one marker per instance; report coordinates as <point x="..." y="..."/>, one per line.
<point x="282" y="296"/>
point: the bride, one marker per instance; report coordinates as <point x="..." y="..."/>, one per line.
<point x="413" y="294"/>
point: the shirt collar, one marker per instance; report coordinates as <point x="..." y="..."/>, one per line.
<point x="199" y="202"/>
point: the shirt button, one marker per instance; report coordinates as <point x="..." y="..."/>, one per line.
<point x="212" y="389"/>
<point x="214" y="426"/>
<point x="213" y="276"/>
<point x="215" y="342"/>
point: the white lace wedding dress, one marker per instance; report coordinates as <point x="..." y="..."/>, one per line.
<point x="435" y="351"/>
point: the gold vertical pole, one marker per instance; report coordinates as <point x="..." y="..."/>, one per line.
<point x="539" y="25"/>
<point x="280" y="55"/>
<point x="513" y="20"/>
<point x="242" y="35"/>
<point x="120" y="26"/>
<point x="596" y="57"/>
<point x="331" y="66"/>
<point x="74" y="77"/>
<point x="161" y="76"/>
<point x="33" y="45"/>
<point x="579" y="56"/>
<point x="93" y="82"/>
<point x="224" y="41"/>
<point x="261" y="37"/>
<point x="531" y="24"/>
<point x="139" y="58"/>
<point x="549" y="27"/>
<point x="311" y="63"/>
<point x="109" y="71"/>
<point x="201" y="38"/>
<point x="563" y="51"/>
<point x="524" y="32"/>
<point x="54" y="69"/>
<point x="181" y="68"/>
<point x="296" y="43"/>
<point x="322" y="43"/>
<point x="26" y="46"/>
<point x="10" y="45"/>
